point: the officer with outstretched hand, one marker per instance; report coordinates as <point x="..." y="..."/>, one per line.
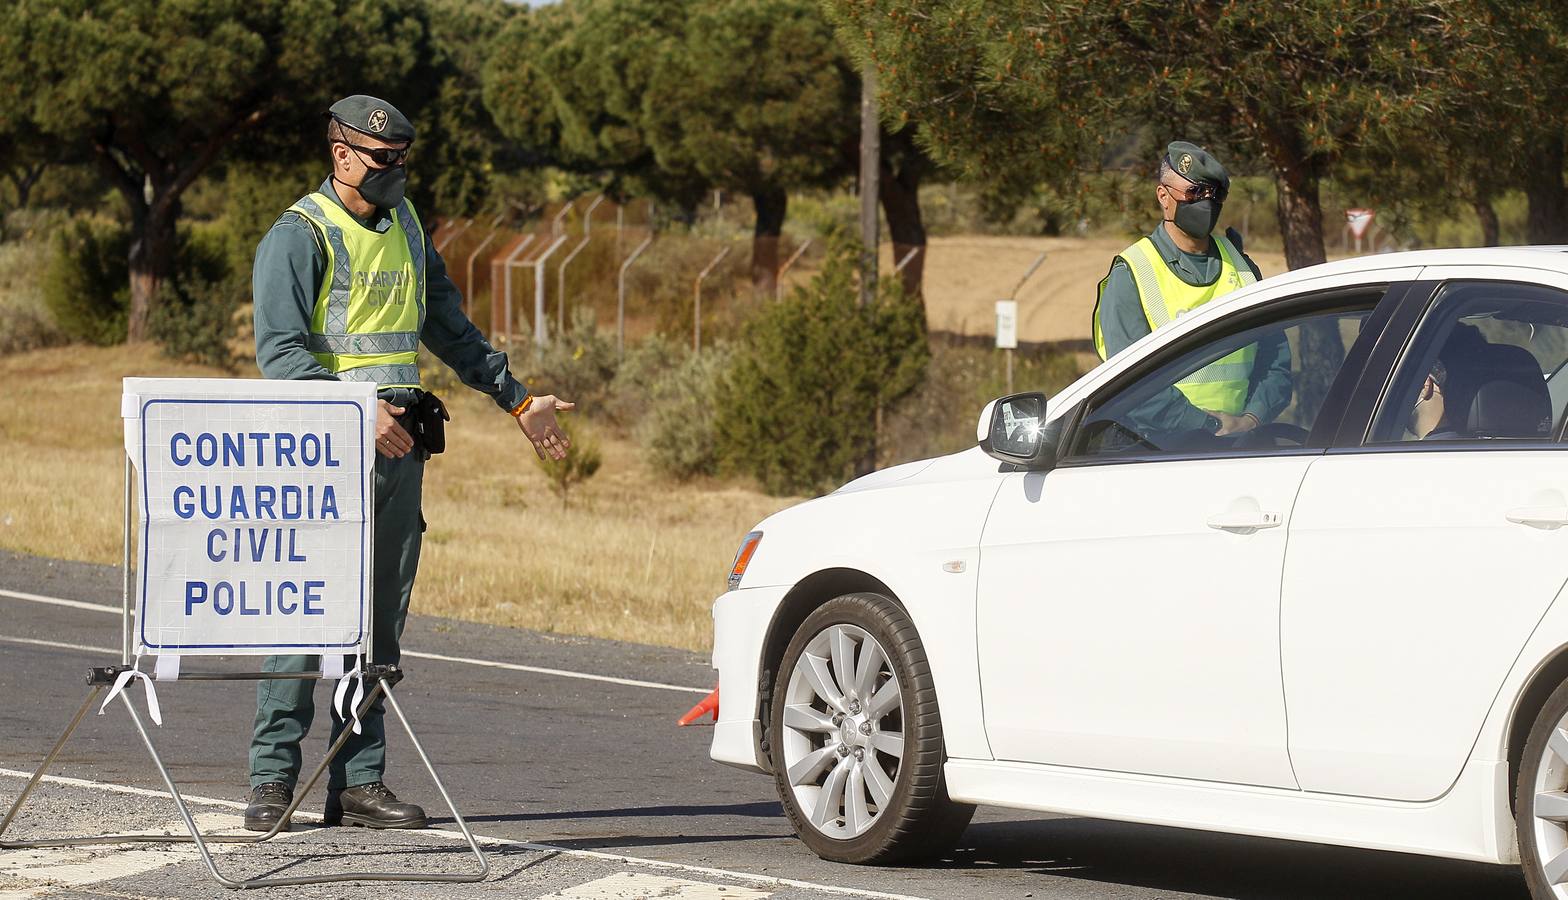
<point x="1177" y="268"/>
<point x="346" y="286"/>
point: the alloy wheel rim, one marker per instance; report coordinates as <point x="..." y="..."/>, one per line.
<point x="1549" y="810"/>
<point x="843" y="737"/>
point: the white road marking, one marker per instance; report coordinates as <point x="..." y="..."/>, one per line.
<point x="415" y="654"/>
<point x="81" y="866"/>
<point x="60" y="601"/>
<point x="765" y="880"/>
<point x="58" y="645"/>
<point x="635" y="886"/>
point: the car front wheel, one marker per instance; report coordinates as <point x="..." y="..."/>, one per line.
<point x="857" y="740"/>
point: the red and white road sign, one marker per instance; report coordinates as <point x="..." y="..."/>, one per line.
<point x="1359" y="220"/>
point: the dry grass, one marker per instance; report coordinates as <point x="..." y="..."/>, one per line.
<point x="634" y="558"/>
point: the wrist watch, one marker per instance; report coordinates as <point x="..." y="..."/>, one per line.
<point x="1212" y="424"/>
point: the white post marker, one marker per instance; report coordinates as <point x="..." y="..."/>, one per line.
<point x="1007" y="333"/>
<point x="255" y="514"/>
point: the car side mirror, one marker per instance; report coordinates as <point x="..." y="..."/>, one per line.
<point x="1013" y="430"/>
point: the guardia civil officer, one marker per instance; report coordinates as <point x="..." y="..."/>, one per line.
<point x="1178" y="267"/>
<point x="346" y="286"/>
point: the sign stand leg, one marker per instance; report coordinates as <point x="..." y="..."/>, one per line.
<point x="383" y="676"/>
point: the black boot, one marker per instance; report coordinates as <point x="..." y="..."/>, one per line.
<point x="372" y="805"/>
<point x="267" y="803"/>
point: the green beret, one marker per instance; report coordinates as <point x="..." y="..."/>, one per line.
<point x="374" y="117"/>
<point x="1197" y="164"/>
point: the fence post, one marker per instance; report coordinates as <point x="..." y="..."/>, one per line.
<point x="506" y="283"/>
<point x="555" y="224"/>
<point x="468" y="286"/>
<point x="620" y="298"/>
<point x="696" y="314"/>
<point x="560" y="276"/>
<point x="1027" y="272"/>
<point x="778" y="278"/>
<point x="442" y="244"/>
<point x="541" y="324"/>
<point x="588" y="216"/>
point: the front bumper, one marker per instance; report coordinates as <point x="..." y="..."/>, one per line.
<point x="740" y="626"/>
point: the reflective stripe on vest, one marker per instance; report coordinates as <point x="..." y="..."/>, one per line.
<point x="1223" y="384"/>
<point x="370" y="310"/>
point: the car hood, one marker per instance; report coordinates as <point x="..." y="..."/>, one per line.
<point x="961" y="466"/>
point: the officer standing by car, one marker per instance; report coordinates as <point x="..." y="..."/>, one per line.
<point x="346" y="286"/>
<point x="1178" y="267"/>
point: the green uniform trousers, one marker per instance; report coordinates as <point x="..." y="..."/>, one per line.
<point x="284" y="709"/>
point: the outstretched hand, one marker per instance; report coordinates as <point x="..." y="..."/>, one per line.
<point x="539" y="426"/>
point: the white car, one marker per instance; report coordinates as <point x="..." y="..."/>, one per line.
<point x="1343" y="625"/>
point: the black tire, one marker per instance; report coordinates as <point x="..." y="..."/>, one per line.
<point x="919" y="821"/>
<point x="1535" y="755"/>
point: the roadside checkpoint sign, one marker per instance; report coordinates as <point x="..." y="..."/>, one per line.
<point x="256" y="508"/>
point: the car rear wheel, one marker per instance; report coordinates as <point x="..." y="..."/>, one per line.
<point x="857" y="740"/>
<point x="1541" y="801"/>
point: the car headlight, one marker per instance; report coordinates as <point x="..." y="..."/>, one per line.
<point x="748" y="549"/>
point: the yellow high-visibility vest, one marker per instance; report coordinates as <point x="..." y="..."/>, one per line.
<point x="1223" y="384"/>
<point x="372" y="303"/>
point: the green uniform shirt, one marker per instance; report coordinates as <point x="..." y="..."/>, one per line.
<point x="286" y="280"/>
<point x="1123" y="321"/>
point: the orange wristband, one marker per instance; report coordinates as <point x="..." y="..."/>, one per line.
<point x="522" y="407"/>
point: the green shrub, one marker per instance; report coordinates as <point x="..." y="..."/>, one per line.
<point x="25" y="322"/>
<point x="679" y="427"/>
<point x="577" y="366"/>
<point x="581" y="462"/>
<point x="939" y="417"/>
<point x="648" y="362"/>
<point x="87" y="283"/>
<point x="813" y="374"/>
<point x="193" y="317"/>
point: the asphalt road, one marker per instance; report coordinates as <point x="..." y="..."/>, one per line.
<point x="578" y="765"/>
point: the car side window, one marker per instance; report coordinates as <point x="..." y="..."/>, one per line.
<point x="1254" y="391"/>
<point x="1487" y="364"/>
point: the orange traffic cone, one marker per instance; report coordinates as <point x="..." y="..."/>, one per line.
<point x="709" y="704"/>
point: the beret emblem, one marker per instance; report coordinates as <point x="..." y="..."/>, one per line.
<point x="378" y="123"/>
<point x="1183" y="165"/>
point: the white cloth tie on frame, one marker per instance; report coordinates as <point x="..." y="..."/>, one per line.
<point x="357" y="677"/>
<point x="125" y="678"/>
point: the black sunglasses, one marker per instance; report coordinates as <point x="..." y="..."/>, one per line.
<point x="1196" y="190"/>
<point x="382" y="156"/>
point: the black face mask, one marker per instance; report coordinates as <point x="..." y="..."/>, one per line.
<point x="383" y="187"/>
<point x="1197" y="218"/>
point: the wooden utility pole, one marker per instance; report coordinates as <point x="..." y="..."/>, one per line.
<point x="870" y="172"/>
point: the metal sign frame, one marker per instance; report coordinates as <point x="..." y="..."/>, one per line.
<point x="379" y="678"/>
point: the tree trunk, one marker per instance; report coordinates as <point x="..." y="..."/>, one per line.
<point x="900" y="192"/>
<point x="1319" y="345"/>
<point x="24" y="181"/>
<point x="151" y="264"/>
<point x="1491" y="232"/>
<point x="1547" y="220"/>
<point x="771" y="204"/>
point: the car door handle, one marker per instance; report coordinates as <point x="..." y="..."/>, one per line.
<point x="1245" y="521"/>
<point x="1546" y="517"/>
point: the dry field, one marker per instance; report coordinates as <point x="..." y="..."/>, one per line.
<point x="634" y="557"/>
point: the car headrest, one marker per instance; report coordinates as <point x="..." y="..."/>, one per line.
<point x="1511" y="399"/>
